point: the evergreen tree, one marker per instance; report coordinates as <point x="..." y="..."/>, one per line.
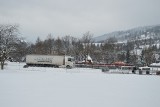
<point x="128" y="56"/>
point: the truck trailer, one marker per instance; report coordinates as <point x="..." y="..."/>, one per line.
<point x="50" y="61"/>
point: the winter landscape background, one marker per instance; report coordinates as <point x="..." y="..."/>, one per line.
<point x="93" y="33"/>
<point x="77" y="87"/>
<point x="87" y="87"/>
<point x="138" y="46"/>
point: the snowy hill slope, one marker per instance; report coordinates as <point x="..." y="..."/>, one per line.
<point x="78" y="87"/>
<point x="153" y="31"/>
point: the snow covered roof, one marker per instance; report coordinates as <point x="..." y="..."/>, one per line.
<point x="155" y="64"/>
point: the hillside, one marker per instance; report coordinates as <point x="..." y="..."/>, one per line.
<point x="132" y="34"/>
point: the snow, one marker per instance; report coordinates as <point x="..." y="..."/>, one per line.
<point x="155" y="64"/>
<point x="77" y="87"/>
<point x="137" y="51"/>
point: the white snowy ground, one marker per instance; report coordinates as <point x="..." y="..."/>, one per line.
<point x="78" y="87"/>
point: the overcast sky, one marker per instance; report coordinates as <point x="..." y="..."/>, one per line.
<point x="75" y="17"/>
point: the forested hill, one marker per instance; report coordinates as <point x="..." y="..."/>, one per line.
<point x="132" y="34"/>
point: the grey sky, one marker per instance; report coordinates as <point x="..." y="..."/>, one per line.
<point x="75" y="17"/>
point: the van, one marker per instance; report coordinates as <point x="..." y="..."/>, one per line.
<point x="144" y="70"/>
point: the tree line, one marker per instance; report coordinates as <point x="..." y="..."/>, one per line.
<point x="108" y="51"/>
<point x="15" y="48"/>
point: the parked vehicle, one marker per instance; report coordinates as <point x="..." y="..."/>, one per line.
<point x="127" y="69"/>
<point x="50" y="61"/>
<point x="148" y="70"/>
<point x="123" y="70"/>
<point x="144" y="70"/>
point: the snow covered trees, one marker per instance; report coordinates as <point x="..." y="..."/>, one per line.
<point x="107" y="52"/>
<point x="8" y="38"/>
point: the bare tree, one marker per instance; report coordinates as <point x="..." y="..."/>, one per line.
<point x="87" y="40"/>
<point x="8" y="41"/>
<point x="78" y="50"/>
<point x="58" y="46"/>
<point x="148" y="56"/>
<point x="21" y="51"/>
<point x="48" y="44"/>
<point x="108" y="50"/>
<point x="39" y="47"/>
<point x="67" y="44"/>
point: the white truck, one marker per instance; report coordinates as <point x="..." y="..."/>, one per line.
<point x="50" y="61"/>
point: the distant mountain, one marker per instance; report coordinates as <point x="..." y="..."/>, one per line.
<point x="132" y="34"/>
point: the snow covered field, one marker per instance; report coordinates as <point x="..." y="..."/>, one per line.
<point x="77" y="87"/>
